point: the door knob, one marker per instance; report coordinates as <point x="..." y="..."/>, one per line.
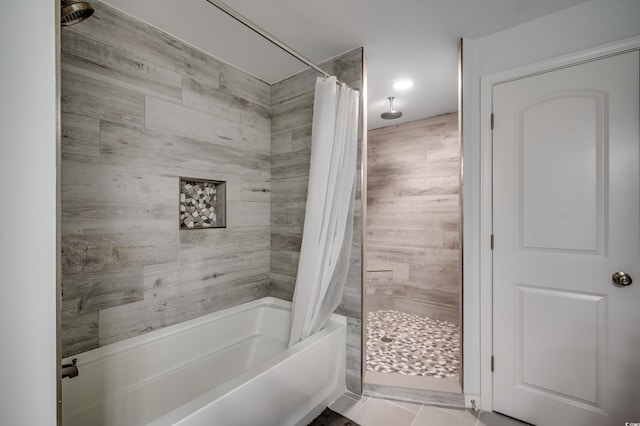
<point x="621" y="279"/>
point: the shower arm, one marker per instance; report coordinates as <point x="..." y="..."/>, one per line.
<point x="264" y="34"/>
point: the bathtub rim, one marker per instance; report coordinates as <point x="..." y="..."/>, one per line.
<point x="102" y="352"/>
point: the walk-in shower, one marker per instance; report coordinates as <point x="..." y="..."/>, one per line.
<point x="413" y="283"/>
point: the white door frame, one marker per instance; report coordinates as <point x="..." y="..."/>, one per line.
<point x="486" y="192"/>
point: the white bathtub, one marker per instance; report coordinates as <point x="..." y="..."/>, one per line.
<point x="228" y="368"/>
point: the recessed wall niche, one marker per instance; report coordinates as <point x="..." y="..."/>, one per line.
<point x="202" y="203"/>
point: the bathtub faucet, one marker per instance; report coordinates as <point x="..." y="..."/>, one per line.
<point x="70" y="370"/>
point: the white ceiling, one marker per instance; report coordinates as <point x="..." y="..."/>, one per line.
<point x="415" y="39"/>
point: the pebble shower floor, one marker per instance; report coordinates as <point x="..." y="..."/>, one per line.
<point x="412" y="345"/>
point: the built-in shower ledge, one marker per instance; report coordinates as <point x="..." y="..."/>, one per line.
<point x="423" y="390"/>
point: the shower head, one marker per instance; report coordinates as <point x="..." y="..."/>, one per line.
<point x="74" y="12"/>
<point x="391" y="114"/>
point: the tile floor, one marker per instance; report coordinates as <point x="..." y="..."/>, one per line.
<point x="412" y="345"/>
<point x="368" y="411"/>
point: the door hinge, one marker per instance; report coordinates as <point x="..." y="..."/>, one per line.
<point x="492" y="241"/>
<point x="492" y="121"/>
<point x="492" y="363"/>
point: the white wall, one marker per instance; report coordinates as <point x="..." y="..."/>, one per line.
<point x="28" y="213"/>
<point x="587" y="25"/>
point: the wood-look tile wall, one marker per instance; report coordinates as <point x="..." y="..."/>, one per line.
<point x="292" y="104"/>
<point x="140" y="109"/>
<point x="413" y="218"/>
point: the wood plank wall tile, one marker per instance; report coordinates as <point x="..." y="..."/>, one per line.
<point x="79" y="332"/>
<point x="80" y="135"/>
<point x="292" y="105"/>
<point x="86" y="177"/>
<point x="99" y="215"/>
<point x="112" y="27"/>
<point x="116" y="65"/>
<point x="94" y="98"/>
<point x="90" y="253"/>
<point x="281" y="142"/>
<point x="140" y="109"/>
<point x="254" y="189"/>
<point x="208" y="98"/>
<point x="175" y="119"/>
<point x="95" y="291"/>
<point x="244" y="86"/>
<point x="147" y="151"/>
<point x="413" y="218"/>
<point x="133" y="319"/>
<point x="379" y="290"/>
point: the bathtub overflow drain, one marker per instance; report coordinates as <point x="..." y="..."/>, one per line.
<point x="387" y="339"/>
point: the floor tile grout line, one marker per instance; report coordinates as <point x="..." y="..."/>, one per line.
<point x="393" y="402"/>
<point x="416" y="417"/>
<point x="355" y="401"/>
<point x="452" y="412"/>
<point x="361" y="406"/>
<point x="346" y="395"/>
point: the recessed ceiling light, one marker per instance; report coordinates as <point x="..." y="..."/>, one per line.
<point x="403" y="84"/>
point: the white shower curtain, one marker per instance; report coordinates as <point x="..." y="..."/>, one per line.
<point x="328" y="222"/>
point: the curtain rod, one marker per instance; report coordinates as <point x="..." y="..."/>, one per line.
<point x="255" y="28"/>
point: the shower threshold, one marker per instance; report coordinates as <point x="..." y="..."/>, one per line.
<point x="412" y="382"/>
<point x="415" y="389"/>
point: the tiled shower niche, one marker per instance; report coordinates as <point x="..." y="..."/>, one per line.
<point x="202" y="203"/>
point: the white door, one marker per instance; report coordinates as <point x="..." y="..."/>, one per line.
<point x="565" y="218"/>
